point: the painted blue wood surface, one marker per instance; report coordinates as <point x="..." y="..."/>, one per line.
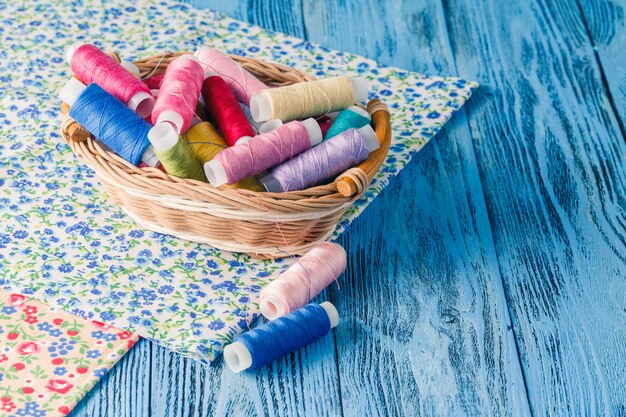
<point x="489" y="278"/>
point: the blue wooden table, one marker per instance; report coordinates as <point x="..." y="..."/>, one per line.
<point x="490" y="277"/>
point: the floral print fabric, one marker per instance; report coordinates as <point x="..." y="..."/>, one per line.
<point x="50" y="359"/>
<point x="63" y="240"/>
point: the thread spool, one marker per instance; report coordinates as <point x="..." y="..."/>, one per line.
<point x="303" y="280"/>
<point x="262" y="152"/>
<point x="179" y="93"/>
<point x="205" y="143"/>
<point x="243" y="84"/>
<point x="175" y="155"/>
<point x="154" y="82"/>
<point x="92" y="65"/>
<point x="306" y="99"/>
<point x="225" y="110"/>
<point x="322" y="162"/>
<point x="266" y="343"/>
<point x="353" y="117"/>
<point x="104" y="116"/>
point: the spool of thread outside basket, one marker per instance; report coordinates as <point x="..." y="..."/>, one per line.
<point x="266" y="343"/>
<point x="303" y="280"/>
<point x="265" y="225"/>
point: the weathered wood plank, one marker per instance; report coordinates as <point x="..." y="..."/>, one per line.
<point x="303" y="383"/>
<point x="276" y="15"/>
<point x="438" y="319"/>
<point x="606" y="25"/>
<point x="551" y="159"/>
<point x="122" y="392"/>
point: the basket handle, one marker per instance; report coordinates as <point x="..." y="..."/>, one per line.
<point x="381" y="121"/>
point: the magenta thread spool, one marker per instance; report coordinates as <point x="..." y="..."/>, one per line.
<point x="91" y="65"/>
<point x="179" y="93"/>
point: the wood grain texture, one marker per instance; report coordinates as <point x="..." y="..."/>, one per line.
<point x="605" y="23"/>
<point x="122" y="391"/>
<point x="551" y="158"/>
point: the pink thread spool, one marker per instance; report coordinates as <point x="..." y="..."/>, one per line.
<point x="243" y="84"/>
<point x="179" y="93"/>
<point x="91" y="65"/>
<point x="303" y="280"/>
<point x="262" y="152"/>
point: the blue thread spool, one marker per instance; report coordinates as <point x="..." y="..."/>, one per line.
<point x="108" y="119"/>
<point x="352" y="117"/>
<point x="264" y="344"/>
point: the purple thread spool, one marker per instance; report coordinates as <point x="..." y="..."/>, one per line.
<point x="322" y="162"/>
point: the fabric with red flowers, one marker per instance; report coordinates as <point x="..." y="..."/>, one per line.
<point x="50" y="359"/>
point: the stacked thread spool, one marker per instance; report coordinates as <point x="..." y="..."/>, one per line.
<point x="208" y="119"/>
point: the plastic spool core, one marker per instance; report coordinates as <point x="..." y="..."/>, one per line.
<point x="260" y="108"/>
<point x="142" y="103"/>
<point x="162" y="136"/>
<point x="272" y="308"/>
<point x="271" y="185"/>
<point x="359" y="87"/>
<point x="333" y="314"/>
<point x="370" y="138"/>
<point x="69" y="52"/>
<point x="215" y="173"/>
<point x="270" y="125"/>
<point x="172" y="117"/>
<point x="71" y="90"/>
<point x="360" y="111"/>
<point x="237" y="357"/>
<point x="130" y="67"/>
<point x="313" y="130"/>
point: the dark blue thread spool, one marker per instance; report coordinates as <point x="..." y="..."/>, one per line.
<point x="264" y="344"/>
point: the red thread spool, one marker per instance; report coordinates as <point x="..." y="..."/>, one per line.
<point x="91" y="65"/>
<point x="154" y="82"/>
<point x="225" y="110"/>
<point x="179" y="93"/>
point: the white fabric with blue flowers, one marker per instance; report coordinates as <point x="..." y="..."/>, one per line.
<point x="63" y="241"/>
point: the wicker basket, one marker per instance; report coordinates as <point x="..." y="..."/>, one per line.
<point x="267" y="225"/>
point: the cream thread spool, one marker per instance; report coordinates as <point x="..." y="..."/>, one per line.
<point x="308" y="99"/>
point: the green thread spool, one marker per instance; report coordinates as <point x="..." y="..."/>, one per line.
<point x="353" y="117"/>
<point x="175" y="155"/>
